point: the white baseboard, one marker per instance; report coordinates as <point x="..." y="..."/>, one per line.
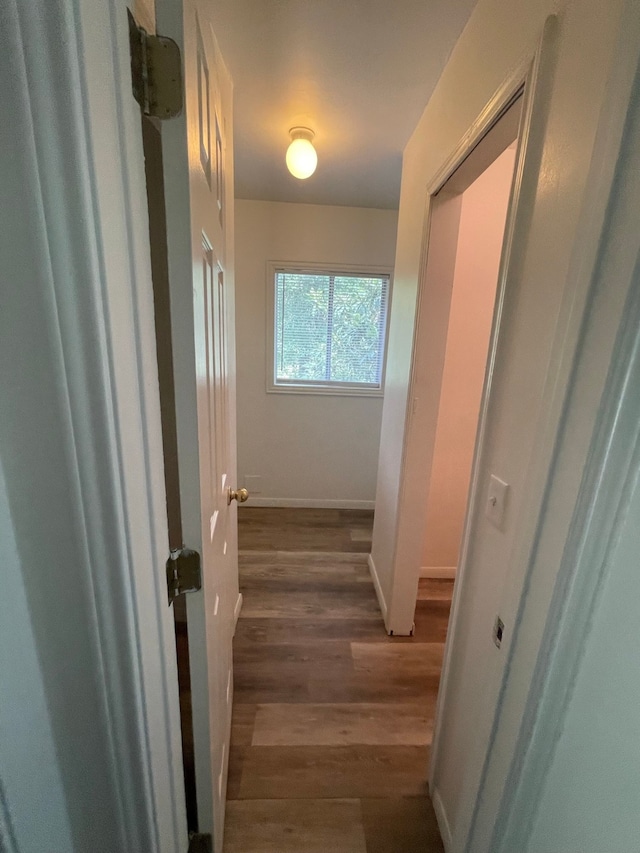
<point x="311" y="503"/>
<point x="236" y="611"/>
<point x="376" y="582"/>
<point x="438" y="572"/>
<point x="443" y="823"/>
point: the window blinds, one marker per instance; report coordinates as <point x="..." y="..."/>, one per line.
<point x="330" y="328"/>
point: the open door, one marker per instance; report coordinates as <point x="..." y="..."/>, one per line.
<point x="198" y="183"/>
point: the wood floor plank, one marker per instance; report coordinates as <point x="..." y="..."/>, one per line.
<point x="366" y="686"/>
<point x="406" y="824"/>
<point x="293" y="772"/>
<point x="433" y="589"/>
<point x="292" y="630"/>
<point x="277" y="568"/>
<point x="345" y="604"/>
<point x="286" y="529"/>
<point x="294" y="826"/>
<point x="347" y="724"/>
<point x="234" y="777"/>
<point x="303" y="561"/>
<point x="361" y="534"/>
<point x="255" y="587"/>
<point x="326" y="653"/>
<point x="242" y="723"/>
<point x="332" y="718"/>
<point x="431" y="621"/>
<point x="280" y="681"/>
<point x="413" y="660"/>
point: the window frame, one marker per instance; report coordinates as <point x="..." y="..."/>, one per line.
<point x="339" y="389"/>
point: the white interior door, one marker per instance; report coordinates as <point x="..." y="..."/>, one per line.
<point x="199" y="199"/>
<point x="89" y="720"/>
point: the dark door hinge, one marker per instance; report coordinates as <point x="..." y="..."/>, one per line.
<point x="156" y="72"/>
<point x="184" y="573"/>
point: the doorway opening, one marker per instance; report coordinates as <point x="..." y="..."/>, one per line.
<point x="469" y="216"/>
<point x="469" y="228"/>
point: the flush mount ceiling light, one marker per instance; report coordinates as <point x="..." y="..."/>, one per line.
<point x="301" y="155"/>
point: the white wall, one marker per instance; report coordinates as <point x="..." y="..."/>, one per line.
<point x="577" y="619"/>
<point x="590" y="798"/>
<point x="321" y="449"/>
<point x="30" y="777"/>
<point x="498" y="37"/>
<point x="480" y="236"/>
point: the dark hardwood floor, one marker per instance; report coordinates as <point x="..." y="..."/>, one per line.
<point x="275" y="529"/>
<point x="332" y="718"/>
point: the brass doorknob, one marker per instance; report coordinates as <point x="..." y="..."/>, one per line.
<point x="241" y="495"/>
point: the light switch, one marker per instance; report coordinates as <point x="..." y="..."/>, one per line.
<point x="496" y="500"/>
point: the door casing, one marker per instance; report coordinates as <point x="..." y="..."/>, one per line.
<point x="104" y="621"/>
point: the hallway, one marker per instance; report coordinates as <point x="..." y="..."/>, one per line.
<point x="332" y="718"/>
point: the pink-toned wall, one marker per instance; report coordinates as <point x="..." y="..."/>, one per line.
<point x="482" y="222"/>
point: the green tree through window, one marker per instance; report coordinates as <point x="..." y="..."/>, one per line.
<point x="330" y="328"/>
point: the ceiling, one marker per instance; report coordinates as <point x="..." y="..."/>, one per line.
<point x="358" y="72"/>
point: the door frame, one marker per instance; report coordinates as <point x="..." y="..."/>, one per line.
<point x="80" y="98"/>
<point x="532" y="79"/>
<point x="529" y="712"/>
<point x="579" y="487"/>
<point x="117" y="210"/>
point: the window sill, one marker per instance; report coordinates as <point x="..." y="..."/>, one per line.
<point x="325" y="390"/>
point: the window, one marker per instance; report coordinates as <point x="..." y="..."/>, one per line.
<point x="329" y="330"/>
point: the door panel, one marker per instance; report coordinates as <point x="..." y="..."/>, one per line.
<point x="198" y="153"/>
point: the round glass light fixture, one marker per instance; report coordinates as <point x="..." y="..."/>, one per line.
<point x="301" y="155"/>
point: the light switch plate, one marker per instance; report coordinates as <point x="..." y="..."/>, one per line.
<point x="496" y="501"/>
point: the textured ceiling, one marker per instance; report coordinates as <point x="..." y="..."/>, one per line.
<point x="358" y="72"/>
